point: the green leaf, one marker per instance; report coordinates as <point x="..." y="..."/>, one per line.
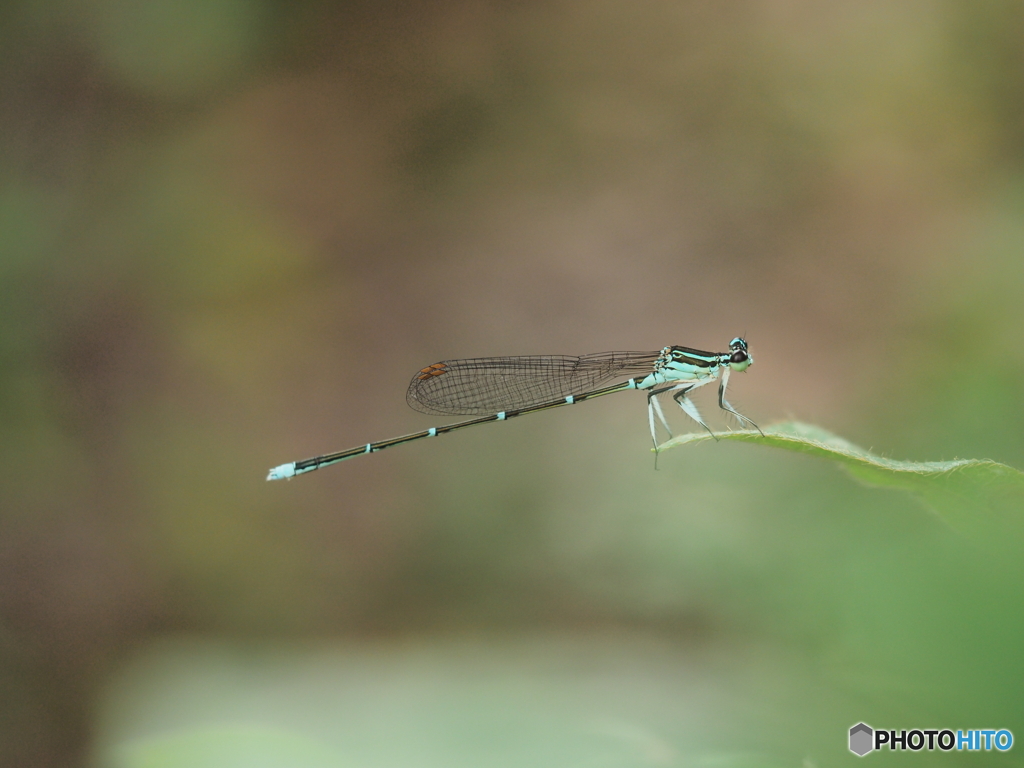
<point x="979" y="498"/>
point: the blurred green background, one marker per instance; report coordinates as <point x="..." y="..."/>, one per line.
<point x="231" y="230"/>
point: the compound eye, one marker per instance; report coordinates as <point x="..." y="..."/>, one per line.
<point x="739" y="356"/>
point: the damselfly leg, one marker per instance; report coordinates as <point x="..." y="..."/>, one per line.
<point x="688" y="406"/>
<point x="725" y="406"/>
<point x="654" y="407"/>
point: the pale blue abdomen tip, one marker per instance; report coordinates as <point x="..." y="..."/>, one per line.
<point x="282" y="472"/>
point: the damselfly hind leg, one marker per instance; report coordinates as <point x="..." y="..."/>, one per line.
<point x="654" y="407"/>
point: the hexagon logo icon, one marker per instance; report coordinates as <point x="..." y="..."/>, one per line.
<point x="862" y="739"/>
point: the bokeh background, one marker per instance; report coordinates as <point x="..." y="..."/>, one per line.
<point x="231" y="230"/>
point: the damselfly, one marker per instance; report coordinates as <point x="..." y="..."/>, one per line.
<point x="503" y="387"/>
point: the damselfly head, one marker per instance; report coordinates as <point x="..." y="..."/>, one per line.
<point x="740" y="358"/>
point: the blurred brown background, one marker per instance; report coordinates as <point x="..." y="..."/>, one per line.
<point x="231" y="230"/>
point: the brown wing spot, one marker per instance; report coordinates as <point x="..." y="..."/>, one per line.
<point x="432" y="370"/>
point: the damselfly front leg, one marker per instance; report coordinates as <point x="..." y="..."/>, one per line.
<point x="725" y="406"/>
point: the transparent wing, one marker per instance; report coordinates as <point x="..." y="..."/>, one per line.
<point x="485" y="385"/>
